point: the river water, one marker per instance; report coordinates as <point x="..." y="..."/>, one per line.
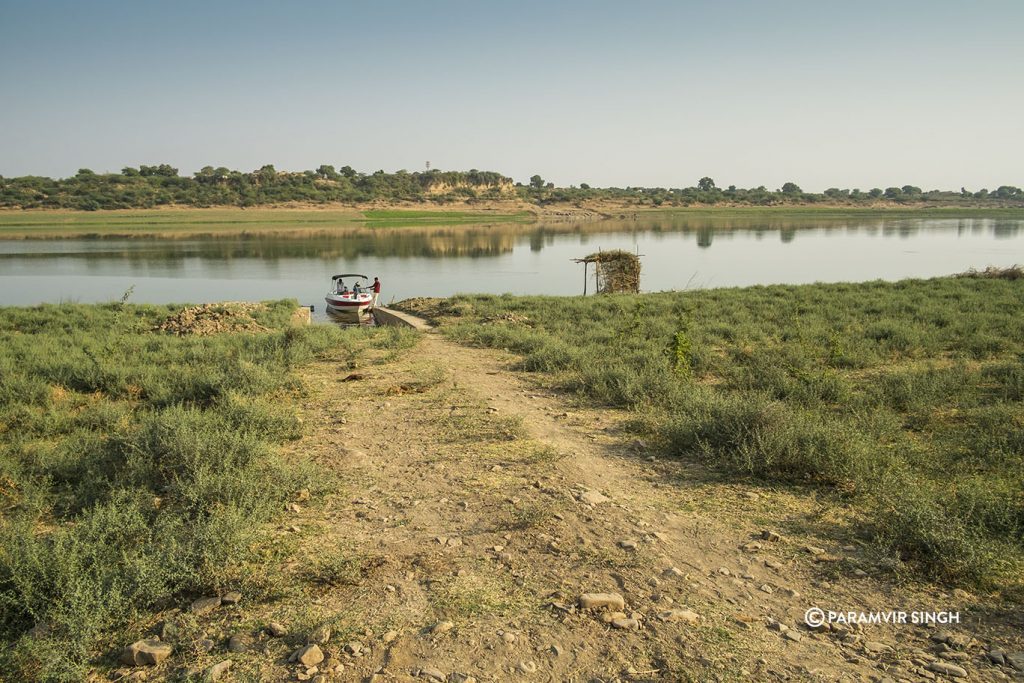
<point x="676" y="254"/>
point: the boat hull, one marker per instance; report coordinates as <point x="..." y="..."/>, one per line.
<point x="348" y="304"/>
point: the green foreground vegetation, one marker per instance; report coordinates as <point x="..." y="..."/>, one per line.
<point x="903" y="399"/>
<point x="161" y="185"/>
<point x="136" y="468"/>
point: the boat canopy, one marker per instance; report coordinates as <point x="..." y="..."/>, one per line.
<point x="338" y="277"/>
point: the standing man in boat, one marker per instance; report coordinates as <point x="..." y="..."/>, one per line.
<point x="376" y="292"/>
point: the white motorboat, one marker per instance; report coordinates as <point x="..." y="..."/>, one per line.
<point x="351" y="302"/>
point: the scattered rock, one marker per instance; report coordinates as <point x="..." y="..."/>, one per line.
<point x="441" y="628"/>
<point x="1016" y="660"/>
<point x="556" y="650"/>
<point x="239" y="643"/>
<point x="320" y="635"/>
<point x="389" y="637"/>
<point x="231" y="598"/>
<point x="792" y="635"/>
<point x="876" y="648"/>
<point x="613" y="601"/>
<point x="508" y="637"/>
<point x="767" y="535"/>
<point x="751" y="547"/>
<point x="673" y="573"/>
<point x="354" y="648"/>
<point x="276" y="630"/>
<point x="593" y="497"/>
<point x="626" y="623"/>
<point x="773" y="564"/>
<point x="204" y="605"/>
<point x="206" y="644"/>
<point x="997" y="657"/>
<point x="527" y="667"/>
<point x="146" y="652"/>
<point x="628" y="544"/>
<point x="814" y="550"/>
<point x="461" y="678"/>
<point x="169" y="630"/>
<point x="432" y="674"/>
<point x="310" y="655"/>
<point x="215" y="672"/>
<point x="947" y="669"/>
<point x="679" y="615"/>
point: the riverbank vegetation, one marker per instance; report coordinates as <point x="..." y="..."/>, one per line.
<point x="901" y="399"/>
<point x="137" y="465"/>
<point x="162" y="185"/>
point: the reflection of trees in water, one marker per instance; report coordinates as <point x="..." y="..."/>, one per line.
<point x="477" y="241"/>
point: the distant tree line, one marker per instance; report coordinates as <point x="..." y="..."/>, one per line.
<point x="706" y="192"/>
<point x="152" y="186"/>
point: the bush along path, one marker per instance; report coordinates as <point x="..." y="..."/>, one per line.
<point x="478" y="527"/>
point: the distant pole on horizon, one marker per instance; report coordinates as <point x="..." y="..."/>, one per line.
<point x="428" y="165"/>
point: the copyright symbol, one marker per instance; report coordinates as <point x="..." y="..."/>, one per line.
<point x="814" y="617"/>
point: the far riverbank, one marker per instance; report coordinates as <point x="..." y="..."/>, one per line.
<point x="297" y="219"/>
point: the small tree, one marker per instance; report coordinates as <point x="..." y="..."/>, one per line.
<point x="705" y="184"/>
<point x="791" y="188"/>
<point x="536" y="182"/>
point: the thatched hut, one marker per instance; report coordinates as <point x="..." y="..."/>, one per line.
<point x="614" y="271"/>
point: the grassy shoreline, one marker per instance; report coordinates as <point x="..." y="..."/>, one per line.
<point x="172" y="222"/>
<point x="139" y="467"/>
<point x="903" y="400"/>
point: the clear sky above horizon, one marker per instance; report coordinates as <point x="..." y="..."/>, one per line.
<point x="864" y="94"/>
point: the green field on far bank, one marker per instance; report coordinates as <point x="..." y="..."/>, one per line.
<point x="137" y="465"/>
<point x="299" y="221"/>
<point x="904" y="400"/>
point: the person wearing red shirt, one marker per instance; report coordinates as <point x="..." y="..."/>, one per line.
<point x="376" y="292"/>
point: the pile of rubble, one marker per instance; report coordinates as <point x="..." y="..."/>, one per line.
<point x="205" y="319"/>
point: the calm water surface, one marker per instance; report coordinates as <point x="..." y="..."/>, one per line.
<point x="534" y="259"/>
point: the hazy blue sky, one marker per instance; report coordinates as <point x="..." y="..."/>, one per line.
<point x="848" y="94"/>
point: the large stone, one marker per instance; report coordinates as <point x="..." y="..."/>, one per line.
<point x="310" y="655"/>
<point x="276" y="630"/>
<point x="613" y="601"/>
<point x="1016" y="660"/>
<point x="146" y="653"/>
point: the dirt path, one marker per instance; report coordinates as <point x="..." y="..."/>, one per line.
<point x="476" y="508"/>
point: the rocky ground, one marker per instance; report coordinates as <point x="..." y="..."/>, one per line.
<point x="485" y="529"/>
